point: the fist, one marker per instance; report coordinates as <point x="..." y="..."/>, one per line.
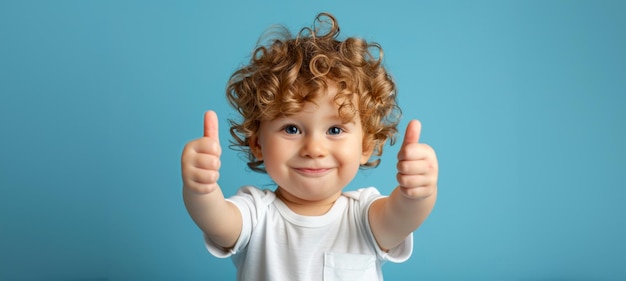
<point x="200" y="161"/>
<point x="417" y="165"/>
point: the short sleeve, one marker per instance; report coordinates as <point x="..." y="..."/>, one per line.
<point x="252" y="203"/>
<point x="398" y="254"/>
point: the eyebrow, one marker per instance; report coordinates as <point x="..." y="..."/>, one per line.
<point x="334" y="118"/>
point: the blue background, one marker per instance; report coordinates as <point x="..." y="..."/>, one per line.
<point x="524" y="101"/>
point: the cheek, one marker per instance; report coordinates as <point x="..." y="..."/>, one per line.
<point x="276" y="151"/>
<point x="351" y="156"/>
<point x="351" y="164"/>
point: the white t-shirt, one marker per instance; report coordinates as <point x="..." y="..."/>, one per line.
<point x="278" y="244"/>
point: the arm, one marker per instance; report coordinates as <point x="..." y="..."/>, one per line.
<point x="219" y="219"/>
<point x="395" y="217"/>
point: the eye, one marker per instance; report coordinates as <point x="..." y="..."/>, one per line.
<point x="291" y="129"/>
<point x="335" y="131"/>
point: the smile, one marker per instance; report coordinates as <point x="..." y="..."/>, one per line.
<point x="312" y="171"/>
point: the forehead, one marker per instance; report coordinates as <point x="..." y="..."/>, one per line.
<point x="333" y="92"/>
<point x="309" y="97"/>
<point x="324" y="99"/>
<point x="332" y="102"/>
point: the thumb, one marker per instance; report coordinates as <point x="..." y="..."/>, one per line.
<point x="211" y="125"/>
<point x="413" y="131"/>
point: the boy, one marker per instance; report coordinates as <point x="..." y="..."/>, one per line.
<point x="314" y="110"/>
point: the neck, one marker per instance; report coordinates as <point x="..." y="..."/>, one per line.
<point x="306" y="207"/>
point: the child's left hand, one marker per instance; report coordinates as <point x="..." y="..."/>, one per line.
<point x="417" y="165"/>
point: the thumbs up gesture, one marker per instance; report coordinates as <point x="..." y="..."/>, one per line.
<point x="200" y="161"/>
<point x="417" y="165"/>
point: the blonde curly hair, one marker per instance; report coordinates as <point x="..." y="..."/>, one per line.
<point x="290" y="71"/>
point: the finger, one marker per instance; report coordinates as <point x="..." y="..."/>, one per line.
<point x="412" y="133"/>
<point x="211" y="125"/>
<point x="417" y="192"/>
<point x="207" y="162"/>
<point x="200" y="181"/>
<point x="415" y="167"/>
<point x="412" y="181"/>
<point x="200" y="176"/>
<point x="416" y="151"/>
<point x="415" y="181"/>
<point x="411" y="139"/>
<point x="203" y="145"/>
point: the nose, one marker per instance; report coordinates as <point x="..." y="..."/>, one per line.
<point x="314" y="146"/>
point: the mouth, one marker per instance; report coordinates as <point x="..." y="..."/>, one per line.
<point x="312" y="171"/>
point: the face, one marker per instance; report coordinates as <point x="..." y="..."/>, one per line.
<point x="311" y="155"/>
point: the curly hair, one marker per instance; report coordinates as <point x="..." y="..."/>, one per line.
<point x="290" y="71"/>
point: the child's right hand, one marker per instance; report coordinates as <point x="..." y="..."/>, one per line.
<point x="200" y="161"/>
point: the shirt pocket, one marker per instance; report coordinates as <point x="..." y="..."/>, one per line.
<point x="341" y="267"/>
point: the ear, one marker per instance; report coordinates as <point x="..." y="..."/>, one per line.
<point x="255" y="148"/>
<point x="368" y="149"/>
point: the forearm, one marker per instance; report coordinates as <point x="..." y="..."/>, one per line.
<point x="216" y="217"/>
<point x="395" y="217"/>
